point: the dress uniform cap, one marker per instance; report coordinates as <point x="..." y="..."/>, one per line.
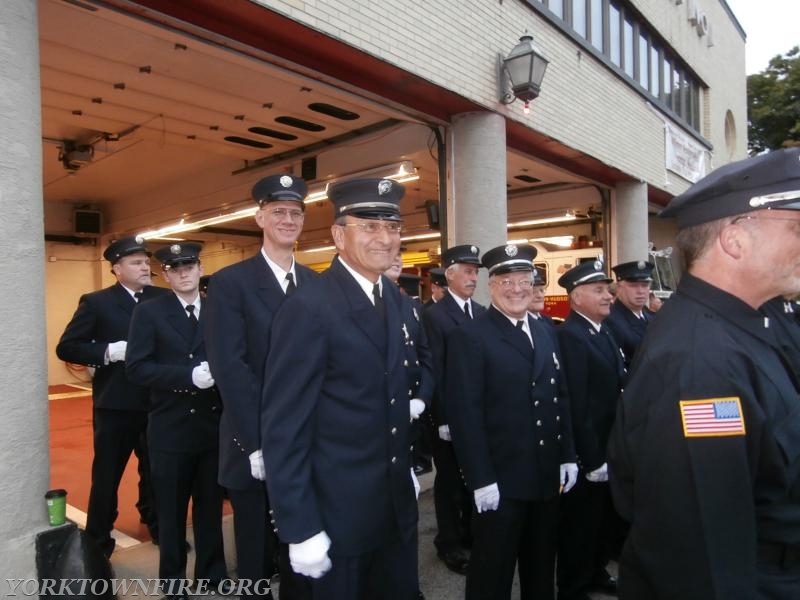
<point x="371" y="198"/>
<point x="761" y="182"/>
<point x="509" y="258"/>
<point x="175" y="255"/>
<point x="461" y="254"/>
<point x="438" y="277"/>
<point x="410" y="283"/>
<point x="537" y="277"/>
<point x="279" y="187"/>
<point x="586" y="272"/>
<point x="637" y="270"/>
<point x="123" y="247"/>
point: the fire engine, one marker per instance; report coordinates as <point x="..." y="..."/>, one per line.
<point x="552" y="263"/>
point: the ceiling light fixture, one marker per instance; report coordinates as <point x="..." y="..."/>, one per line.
<point x="401" y="172"/>
<point x="563" y="217"/>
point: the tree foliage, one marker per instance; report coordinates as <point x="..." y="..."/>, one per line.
<point x="773" y="104"/>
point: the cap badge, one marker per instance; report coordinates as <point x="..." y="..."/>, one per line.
<point x="511" y="250"/>
<point x="286" y="181"/>
<point x="640" y="265"/>
<point x="473" y="250"/>
<point x="598" y="266"/>
<point x="139" y="239"/>
<point x="175" y="248"/>
<point x="384" y="186"/>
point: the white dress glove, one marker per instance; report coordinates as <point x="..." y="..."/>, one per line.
<point x="416" y="406"/>
<point x="487" y="498"/>
<point x="600" y="474"/>
<point x="116" y="351"/>
<point x="310" y="558"/>
<point x="569" y="476"/>
<point x="257" y="469"/>
<point x="415" y="481"/>
<point x="201" y="376"/>
<point x="444" y="433"/>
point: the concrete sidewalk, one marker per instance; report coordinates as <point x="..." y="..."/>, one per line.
<point x="436" y="581"/>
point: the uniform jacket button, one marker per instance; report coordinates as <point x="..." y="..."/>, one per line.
<point x="391" y="401"/>
<point x="555" y="400"/>
<point x="541" y="442"/>
<point x="558" y="437"/>
<point x="536" y="403"/>
<point x="394" y="459"/>
<point x="191" y="356"/>
<point x="539" y="423"/>
<point x="192" y="410"/>
<point x="394" y="430"/>
<point x="405" y="363"/>
<point x="552" y="380"/>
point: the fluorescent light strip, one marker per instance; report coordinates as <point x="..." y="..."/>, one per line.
<point x="562" y="219"/>
<point x="404" y="173"/>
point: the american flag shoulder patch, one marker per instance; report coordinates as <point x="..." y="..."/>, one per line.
<point x="712" y="417"/>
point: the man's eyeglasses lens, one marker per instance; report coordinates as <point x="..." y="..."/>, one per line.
<point x="376" y="226"/>
<point x="524" y="284"/>
<point x="282" y="213"/>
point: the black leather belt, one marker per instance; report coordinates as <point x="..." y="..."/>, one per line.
<point x="782" y="555"/>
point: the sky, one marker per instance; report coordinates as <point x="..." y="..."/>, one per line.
<point x="772" y="28"/>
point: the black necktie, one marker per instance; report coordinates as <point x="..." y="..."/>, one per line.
<point x="376" y="294"/>
<point x="466" y="310"/>
<point x="521" y="327"/>
<point x="138" y="296"/>
<point x="192" y="316"/>
<point x="291" y="287"/>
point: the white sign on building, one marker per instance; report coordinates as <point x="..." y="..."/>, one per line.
<point x="684" y="155"/>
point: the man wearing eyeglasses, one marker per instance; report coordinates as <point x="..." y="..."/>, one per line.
<point x="704" y="457"/>
<point x="510" y="423"/>
<point x="242" y="301"/>
<point x="336" y="411"/>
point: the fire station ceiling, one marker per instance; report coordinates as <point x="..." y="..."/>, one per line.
<point x="151" y="126"/>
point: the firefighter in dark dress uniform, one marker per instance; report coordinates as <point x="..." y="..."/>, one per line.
<point x="509" y="418"/>
<point x="629" y="314"/>
<point x="452" y="499"/>
<point x="243" y="299"/>
<point x="336" y="411"/>
<point x="97" y="337"/>
<point x="704" y="458"/>
<point x="166" y="353"/>
<point x="595" y="373"/>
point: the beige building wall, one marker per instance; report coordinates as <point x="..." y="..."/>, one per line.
<point x="583" y="104"/>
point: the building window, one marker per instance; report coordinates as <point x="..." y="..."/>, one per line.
<point x="627" y="45"/>
<point x="579" y="17"/>
<point x="633" y="47"/>
<point x="655" y="72"/>
<point x="614" y="40"/>
<point x="596" y="19"/>
<point x="644" y="61"/>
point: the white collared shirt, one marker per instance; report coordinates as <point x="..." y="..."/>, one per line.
<point x="461" y="302"/>
<point x="362" y="281"/>
<point x="524" y="320"/>
<point x="196" y="305"/>
<point x="595" y="325"/>
<point x="278" y="271"/>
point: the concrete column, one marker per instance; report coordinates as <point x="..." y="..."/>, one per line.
<point x="24" y="436"/>
<point x="478" y="204"/>
<point x="629" y="223"/>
